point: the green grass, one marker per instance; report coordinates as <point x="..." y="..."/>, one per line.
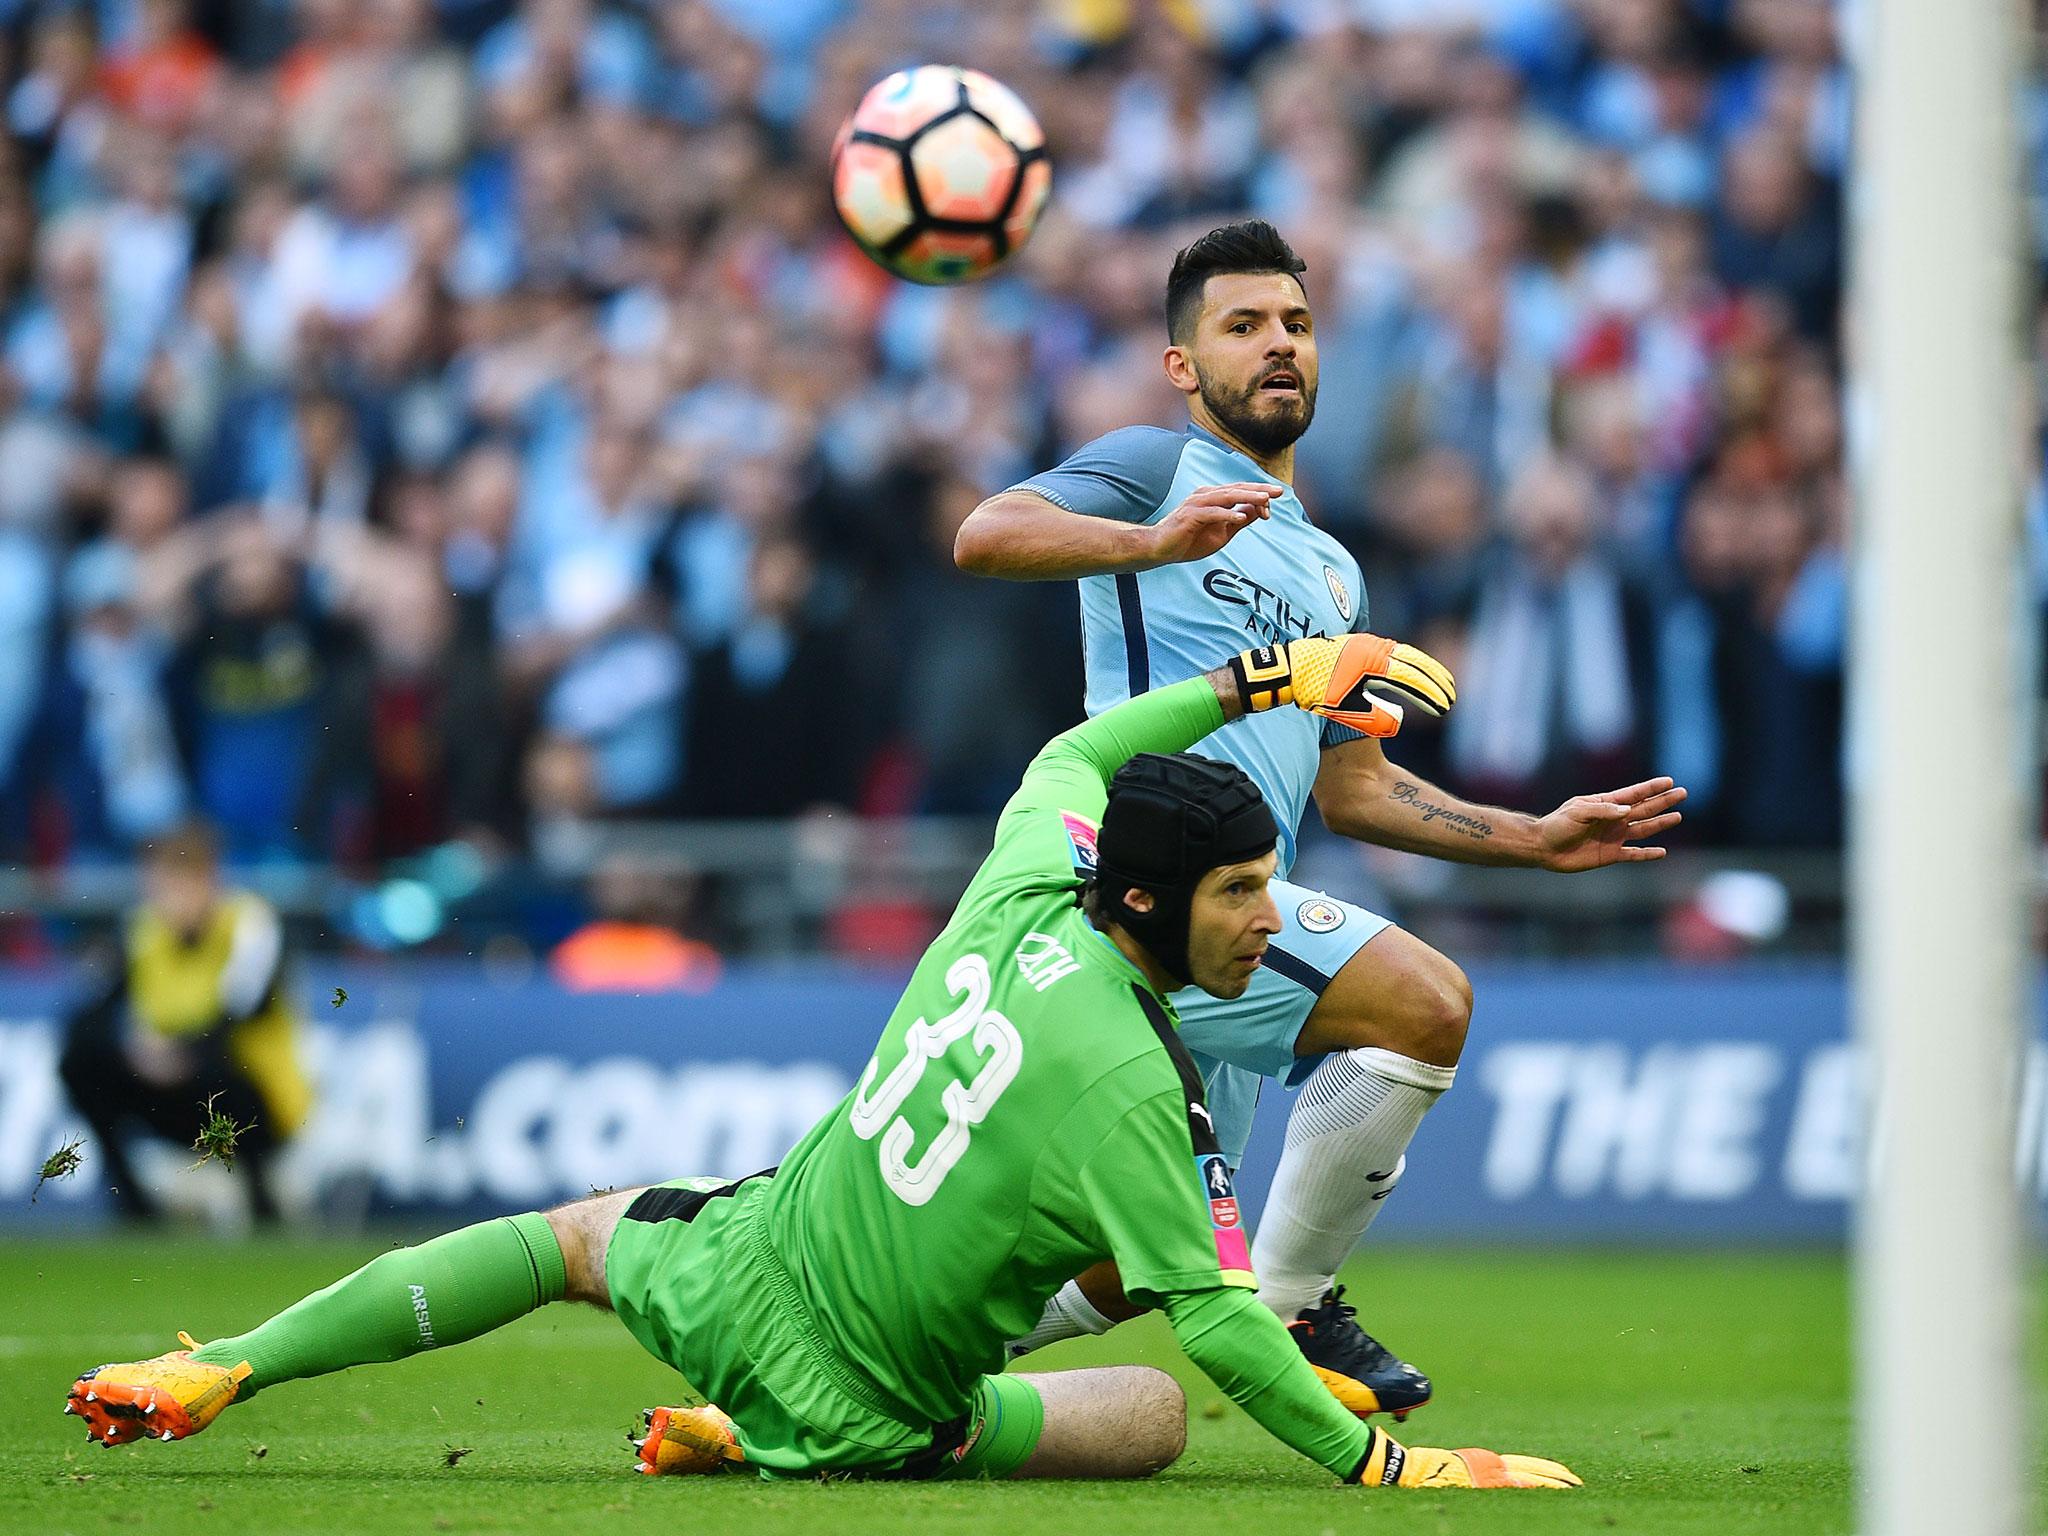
<point x="1694" y="1393"/>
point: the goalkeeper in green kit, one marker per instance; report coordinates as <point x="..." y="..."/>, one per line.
<point x="1029" y="1111"/>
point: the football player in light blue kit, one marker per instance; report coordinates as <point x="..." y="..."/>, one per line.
<point x="1186" y="543"/>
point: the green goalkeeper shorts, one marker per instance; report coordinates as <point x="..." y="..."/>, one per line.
<point x="686" y="1274"/>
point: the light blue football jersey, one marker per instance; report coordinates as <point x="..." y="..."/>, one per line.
<point x="1278" y="580"/>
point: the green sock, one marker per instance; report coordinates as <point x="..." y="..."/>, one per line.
<point x="1002" y="1430"/>
<point x="458" y="1286"/>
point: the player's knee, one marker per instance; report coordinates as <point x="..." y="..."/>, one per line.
<point x="1444" y="1008"/>
<point x="582" y="1230"/>
<point x="1427" y="1007"/>
<point x="575" y="1255"/>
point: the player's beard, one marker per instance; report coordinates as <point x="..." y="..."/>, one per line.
<point x="1264" y="423"/>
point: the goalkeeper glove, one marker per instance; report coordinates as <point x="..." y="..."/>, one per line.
<point x="1390" y="1464"/>
<point x="1330" y="678"/>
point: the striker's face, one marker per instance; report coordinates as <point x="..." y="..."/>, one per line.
<point x="1254" y="354"/>
<point x="1229" y="925"/>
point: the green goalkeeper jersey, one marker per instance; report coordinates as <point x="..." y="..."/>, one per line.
<point x="1028" y="1112"/>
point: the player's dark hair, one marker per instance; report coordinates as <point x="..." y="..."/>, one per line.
<point x="1251" y="246"/>
<point x="1095" y="903"/>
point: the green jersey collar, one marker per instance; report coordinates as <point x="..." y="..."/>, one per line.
<point x="1103" y="952"/>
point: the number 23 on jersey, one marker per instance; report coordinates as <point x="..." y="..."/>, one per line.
<point x="915" y="1180"/>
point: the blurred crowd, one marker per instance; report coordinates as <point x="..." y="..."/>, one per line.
<point x="433" y="419"/>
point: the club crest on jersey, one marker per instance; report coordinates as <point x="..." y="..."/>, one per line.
<point x="1339" y="593"/>
<point x="1319" y="914"/>
<point x="1080" y="842"/>
<point x="1226" y="1220"/>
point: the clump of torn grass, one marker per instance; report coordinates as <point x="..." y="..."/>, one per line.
<point x="217" y="1136"/>
<point x="60" y="1164"/>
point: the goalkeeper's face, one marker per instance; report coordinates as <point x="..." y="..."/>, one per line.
<point x="1254" y="357"/>
<point x="1230" y="923"/>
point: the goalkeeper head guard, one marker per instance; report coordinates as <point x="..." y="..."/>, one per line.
<point x="1171" y="820"/>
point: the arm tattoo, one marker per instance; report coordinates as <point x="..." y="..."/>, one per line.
<point x="1410" y="794"/>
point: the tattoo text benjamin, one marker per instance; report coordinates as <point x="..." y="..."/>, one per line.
<point x="1457" y="821"/>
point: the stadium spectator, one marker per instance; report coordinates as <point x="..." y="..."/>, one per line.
<point x="1427" y="552"/>
<point x="257" y="663"/>
<point x="63" y="356"/>
<point x="32" y="454"/>
<point x="706" y="553"/>
<point x="314" y="471"/>
<point x="385" y="764"/>
<point x="343" y="258"/>
<point x="560" y="46"/>
<point x="588" y="650"/>
<point x="1775" y="233"/>
<point x="380" y="57"/>
<point x="1558" y="661"/>
<point x="639" y="939"/>
<point x="1754" y="653"/>
<point x="785" y="673"/>
<point x="193" y="1011"/>
<point x="478" y="723"/>
<point x="962" y="742"/>
<point x="125" y="777"/>
<point x="160" y="73"/>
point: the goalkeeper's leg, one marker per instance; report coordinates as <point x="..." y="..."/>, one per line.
<point x="454" y="1288"/>
<point x="1112" y="1421"/>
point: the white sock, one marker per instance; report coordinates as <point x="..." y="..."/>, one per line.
<point x="1346" y="1146"/>
<point x="1067" y="1316"/>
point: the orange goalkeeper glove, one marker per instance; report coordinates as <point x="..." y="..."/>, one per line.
<point x="1390" y="1464"/>
<point x="1331" y="678"/>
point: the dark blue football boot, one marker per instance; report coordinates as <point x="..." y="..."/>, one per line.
<point x="1361" y="1372"/>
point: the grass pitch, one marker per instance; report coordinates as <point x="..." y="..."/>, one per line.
<point x="1694" y="1393"/>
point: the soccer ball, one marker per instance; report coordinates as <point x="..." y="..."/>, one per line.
<point x="940" y="173"/>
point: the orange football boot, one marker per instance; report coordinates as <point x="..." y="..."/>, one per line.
<point x="686" y="1441"/>
<point x="166" y="1398"/>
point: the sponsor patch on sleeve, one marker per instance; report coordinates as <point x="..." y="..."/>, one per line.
<point x="1226" y="1220"/>
<point x="1080" y="842"/>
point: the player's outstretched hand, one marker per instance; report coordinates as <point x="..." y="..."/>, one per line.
<point x="1209" y="519"/>
<point x="1428" y="1467"/>
<point x="1390" y="1464"/>
<point x="1593" y="831"/>
<point x="1334" y="679"/>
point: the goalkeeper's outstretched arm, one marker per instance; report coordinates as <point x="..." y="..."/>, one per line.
<point x="1240" y="1345"/>
<point x="1072" y="772"/>
<point x="1327" y="677"/>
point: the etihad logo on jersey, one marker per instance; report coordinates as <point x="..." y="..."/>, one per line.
<point x="1267" y="613"/>
<point x="1081" y="834"/>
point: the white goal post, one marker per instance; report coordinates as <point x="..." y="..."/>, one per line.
<point x="1941" y="758"/>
